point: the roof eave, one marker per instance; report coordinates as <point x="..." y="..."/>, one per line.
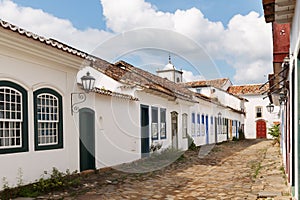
<point x="279" y="11"/>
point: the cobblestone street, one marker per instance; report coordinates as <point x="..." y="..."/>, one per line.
<point x="249" y="169"/>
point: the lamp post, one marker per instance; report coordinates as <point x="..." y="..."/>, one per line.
<point x="270" y="108"/>
<point x="88" y="83"/>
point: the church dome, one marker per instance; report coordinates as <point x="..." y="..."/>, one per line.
<point x="169" y="66"/>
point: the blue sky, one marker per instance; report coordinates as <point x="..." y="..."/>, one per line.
<point x="231" y="34"/>
<point x="84" y="14"/>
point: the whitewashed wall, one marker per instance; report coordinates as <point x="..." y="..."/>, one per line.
<point x="178" y="106"/>
<point x="294" y="51"/>
<point x="295" y="31"/>
<point x="117" y="138"/>
<point x="223" y="97"/>
<point x="35" y="69"/>
<point x="250" y="119"/>
<point x="211" y="110"/>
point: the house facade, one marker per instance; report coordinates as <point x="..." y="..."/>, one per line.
<point x="37" y="77"/>
<point x="284" y="82"/>
<point x="225" y="109"/>
<point x="257" y="120"/>
<point x="47" y="120"/>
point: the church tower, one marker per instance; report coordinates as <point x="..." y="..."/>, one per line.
<point x="170" y="72"/>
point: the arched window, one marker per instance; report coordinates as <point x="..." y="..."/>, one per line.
<point x="13" y="118"/>
<point x="48" y="119"/>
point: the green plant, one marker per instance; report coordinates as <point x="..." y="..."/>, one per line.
<point x="5" y="185"/>
<point x="275" y="132"/>
<point x="258" y="167"/>
<point x="56" y="180"/>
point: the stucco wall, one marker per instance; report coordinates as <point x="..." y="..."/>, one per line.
<point x="250" y="119"/>
<point x="33" y="72"/>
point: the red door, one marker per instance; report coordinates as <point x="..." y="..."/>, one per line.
<point x="261" y="129"/>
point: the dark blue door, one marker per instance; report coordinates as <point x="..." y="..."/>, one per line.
<point x="206" y="129"/>
<point x="87" y="139"/>
<point x="145" y="130"/>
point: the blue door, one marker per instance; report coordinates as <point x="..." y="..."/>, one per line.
<point x="206" y="129"/>
<point x="145" y="148"/>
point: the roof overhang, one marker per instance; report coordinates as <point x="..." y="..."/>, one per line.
<point x="280" y="11"/>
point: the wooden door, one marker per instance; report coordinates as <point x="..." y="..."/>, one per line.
<point x="261" y="129"/>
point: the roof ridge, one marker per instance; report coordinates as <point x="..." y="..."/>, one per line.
<point x="48" y="41"/>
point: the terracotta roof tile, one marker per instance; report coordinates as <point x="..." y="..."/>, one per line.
<point x="114" y="94"/>
<point x="217" y="83"/>
<point x="248" y="89"/>
<point x="128" y="74"/>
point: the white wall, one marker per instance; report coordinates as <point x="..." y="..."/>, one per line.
<point x="295" y="31"/>
<point x="223" y="97"/>
<point x="178" y="106"/>
<point x="167" y="74"/>
<point x="294" y="52"/>
<point x="211" y="109"/>
<point x="250" y="119"/>
<point x="34" y="72"/>
<point x="117" y="138"/>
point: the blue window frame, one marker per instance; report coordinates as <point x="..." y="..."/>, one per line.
<point x="13" y="118"/>
<point x="193" y="124"/>
<point x="212" y="120"/>
<point x="48" y="119"/>
<point x="163" y="129"/>
<point x="154" y="123"/>
<point x="198" y="125"/>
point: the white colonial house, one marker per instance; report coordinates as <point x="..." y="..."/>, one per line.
<point x="227" y="109"/>
<point x="47" y="120"/>
<point x="257" y="120"/>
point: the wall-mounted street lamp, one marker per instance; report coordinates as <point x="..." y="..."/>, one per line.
<point x="88" y="83"/>
<point x="283" y="96"/>
<point x="270" y="108"/>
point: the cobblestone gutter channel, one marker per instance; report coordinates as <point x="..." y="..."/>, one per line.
<point x="249" y="169"/>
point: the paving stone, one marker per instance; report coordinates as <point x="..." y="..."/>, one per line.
<point x="266" y="194"/>
<point x="226" y="173"/>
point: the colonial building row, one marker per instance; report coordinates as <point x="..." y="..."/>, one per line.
<point x="47" y="120"/>
<point x="284" y="15"/>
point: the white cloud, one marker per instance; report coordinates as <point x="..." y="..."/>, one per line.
<point x="44" y="24"/>
<point x="245" y="44"/>
<point x="129" y="14"/>
<point x="188" y="76"/>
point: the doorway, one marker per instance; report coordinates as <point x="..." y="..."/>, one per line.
<point x="145" y="131"/>
<point x="174" y="127"/>
<point x="261" y="129"/>
<point x="87" y="139"/>
<point x="206" y="129"/>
